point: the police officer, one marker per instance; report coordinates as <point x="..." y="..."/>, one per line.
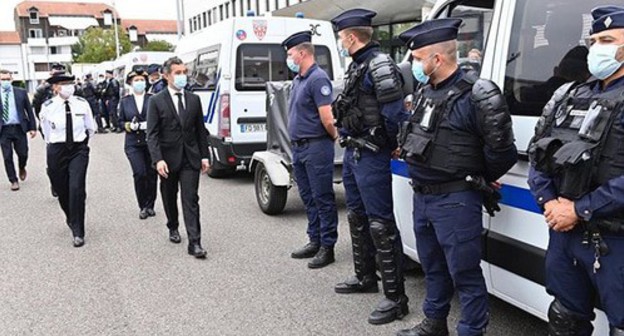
<point x="100" y="88"/>
<point x="67" y="123"/>
<point x="90" y="93"/>
<point x="457" y="143"/>
<point x="577" y="176"/>
<point x="133" y="117"/>
<point x="44" y="92"/>
<point x="156" y="82"/>
<point x="368" y="113"/>
<point x="312" y="133"/>
<point x="110" y="96"/>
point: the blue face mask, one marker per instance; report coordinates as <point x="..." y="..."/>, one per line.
<point x="292" y="66"/>
<point x="419" y="72"/>
<point x="601" y="60"/>
<point x="344" y="52"/>
<point x="138" y="86"/>
<point x="6" y="84"/>
<point x="179" y="81"/>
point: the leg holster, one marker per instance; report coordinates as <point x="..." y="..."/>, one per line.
<point x="563" y="322"/>
<point x="389" y="257"/>
<point x="362" y="243"/>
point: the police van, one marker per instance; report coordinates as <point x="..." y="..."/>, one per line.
<point x="133" y="61"/>
<point x="529" y="48"/>
<point x="230" y="63"/>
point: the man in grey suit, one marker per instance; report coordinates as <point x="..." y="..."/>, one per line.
<point x="178" y="144"/>
<point x="16" y="121"/>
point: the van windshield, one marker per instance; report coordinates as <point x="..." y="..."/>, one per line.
<point x="546" y="50"/>
<point x="257" y="64"/>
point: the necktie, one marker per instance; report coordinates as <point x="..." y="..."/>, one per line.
<point x="69" y="125"/>
<point x="5" y="106"/>
<point x="181" y="110"/>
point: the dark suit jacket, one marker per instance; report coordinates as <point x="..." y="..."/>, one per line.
<point x="170" y="137"/>
<point x="24" y="110"/>
<point x="127" y="112"/>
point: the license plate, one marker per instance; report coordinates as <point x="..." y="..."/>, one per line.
<point x="252" y="128"/>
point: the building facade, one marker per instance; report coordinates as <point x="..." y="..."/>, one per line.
<point x="141" y="32"/>
<point x="11" y="51"/>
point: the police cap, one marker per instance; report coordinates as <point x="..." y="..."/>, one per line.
<point x="153" y="68"/>
<point x="132" y="74"/>
<point x="296" y="39"/>
<point x="357" y="17"/>
<point x="430" y="32"/>
<point x="60" y="76"/>
<point x="607" y="17"/>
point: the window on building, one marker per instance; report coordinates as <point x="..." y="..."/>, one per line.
<point x="268" y="5"/>
<point x="242" y="8"/>
<point x="61" y="33"/>
<point x="35" y="33"/>
<point x="257" y="7"/>
<point x="234" y="8"/>
<point x="133" y="34"/>
<point x="227" y="10"/>
<point x="195" y="23"/>
<point x="214" y="15"/>
<point x="39" y="67"/>
<point x="220" y="12"/>
<point x="248" y="5"/>
<point x="191" y="25"/>
<point x="209" y="15"/>
<point x="34" y="16"/>
<point x="277" y="5"/>
<point x="205" y="18"/>
<point x="108" y="18"/>
<point x="54" y="50"/>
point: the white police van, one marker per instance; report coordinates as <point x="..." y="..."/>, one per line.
<point x="136" y="60"/>
<point x="529" y="48"/>
<point x="229" y="64"/>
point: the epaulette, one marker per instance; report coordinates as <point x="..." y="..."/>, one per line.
<point x="80" y="98"/>
<point x="47" y="102"/>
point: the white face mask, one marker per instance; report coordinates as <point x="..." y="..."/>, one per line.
<point x="67" y="91"/>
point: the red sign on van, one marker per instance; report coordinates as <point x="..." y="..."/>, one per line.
<point x="260" y="28"/>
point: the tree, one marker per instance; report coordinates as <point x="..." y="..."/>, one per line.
<point x="157" y="45"/>
<point x="98" y="45"/>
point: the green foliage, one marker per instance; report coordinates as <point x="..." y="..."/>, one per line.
<point x="98" y="45"/>
<point x="158" y="45"/>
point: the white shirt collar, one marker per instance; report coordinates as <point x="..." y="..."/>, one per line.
<point x="173" y="92"/>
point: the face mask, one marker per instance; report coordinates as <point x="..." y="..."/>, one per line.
<point x="344" y="52"/>
<point x="67" y="91"/>
<point x="601" y="60"/>
<point x="179" y="81"/>
<point x="138" y="86"/>
<point x="6" y="84"/>
<point x="418" y="70"/>
<point x="292" y="66"/>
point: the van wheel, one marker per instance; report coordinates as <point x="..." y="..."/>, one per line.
<point x="271" y="198"/>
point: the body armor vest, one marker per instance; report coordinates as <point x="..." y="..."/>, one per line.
<point x="581" y="141"/>
<point x="429" y="140"/>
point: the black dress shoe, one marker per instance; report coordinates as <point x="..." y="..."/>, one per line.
<point x="428" y="327"/>
<point x="354" y="285"/>
<point x="78" y="241"/>
<point x="143" y="214"/>
<point x="308" y="251"/>
<point x="323" y="257"/>
<point x="151" y="212"/>
<point x="196" y="251"/>
<point x="118" y="130"/>
<point x="389" y="310"/>
<point x="174" y="236"/>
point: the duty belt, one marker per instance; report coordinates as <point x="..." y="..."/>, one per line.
<point x="442" y="188"/>
<point x="303" y="142"/>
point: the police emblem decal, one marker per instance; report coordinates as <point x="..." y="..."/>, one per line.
<point x="325" y="90"/>
<point x="260" y="28"/>
<point x="241" y="35"/>
<point x="608" y="22"/>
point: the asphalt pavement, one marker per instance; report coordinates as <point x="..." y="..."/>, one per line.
<point x="130" y="280"/>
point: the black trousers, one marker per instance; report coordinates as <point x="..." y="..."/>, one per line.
<point x="12" y="137"/>
<point x="67" y="168"/>
<point x="111" y="107"/>
<point x="187" y="179"/>
<point x="145" y="176"/>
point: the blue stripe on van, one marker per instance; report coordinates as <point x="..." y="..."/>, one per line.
<point x="512" y="196"/>
<point x="214" y="103"/>
<point x="213" y="100"/>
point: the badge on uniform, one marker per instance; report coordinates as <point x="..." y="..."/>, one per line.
<point x="325" y="90"/>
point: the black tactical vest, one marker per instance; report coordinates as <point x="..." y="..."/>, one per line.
<point x="429" y="140"/>
<point x="581" y="142"/>
<point x="364" y="102"/>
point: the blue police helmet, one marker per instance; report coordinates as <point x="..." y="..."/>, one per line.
<point x="431" y="32"/>
<point x="296" y="39"/>
<point x="357" y="17"/>
<point x="607" y="17"/>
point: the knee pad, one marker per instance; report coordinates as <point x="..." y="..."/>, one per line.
<point x="563" y="322"/>
<point x="382" y="230"/>
<point x="356" y="221"/>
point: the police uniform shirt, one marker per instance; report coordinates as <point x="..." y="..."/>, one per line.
<point x="309" y="92"/>
<point x="53" y="119"/>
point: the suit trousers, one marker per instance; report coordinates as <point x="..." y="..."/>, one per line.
<point x="67" y="168"/>
<point x="12" y="137"/>
<point x="144" y="176"/>
<point x="187" y="180"/>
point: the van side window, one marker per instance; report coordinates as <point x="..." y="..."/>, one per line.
<point x="257" y="64"/>
<point x="477" y="19"/>
<point x="546" y="50"/>
<point x="205" y="74"/>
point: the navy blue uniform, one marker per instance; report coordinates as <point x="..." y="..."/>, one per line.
<point x="570" y="274"/>
<point x="158" y="86"/>
<point x="313" y="154"/>
<point x="144" y="174"/>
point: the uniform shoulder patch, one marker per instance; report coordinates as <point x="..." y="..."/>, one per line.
<point x="325" y="90"/>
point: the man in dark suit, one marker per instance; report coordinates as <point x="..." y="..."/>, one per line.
<point x="178" y="144"/>
<point x="17" y="120"/>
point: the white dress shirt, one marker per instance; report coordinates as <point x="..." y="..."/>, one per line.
<point x="139" y="99"/>
<point x="174" y="97"/>
<point x="53" y="119"/>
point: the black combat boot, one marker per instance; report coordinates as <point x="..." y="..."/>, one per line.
<point x="365" y="278"/>
<point x="323" y="257"/>
<point x="308" y="251"/>
<point x="368" y="284"/>
<point x="389" y="310"/>
<point x="428" y="327"/>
